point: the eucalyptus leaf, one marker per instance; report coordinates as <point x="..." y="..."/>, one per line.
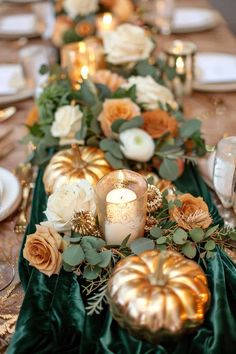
<point x="169" y="169"/>
<point x="210" y="255"/>
<point x="105" y="258"/>
<point x="113" y="161"/>
<point x="211" y="231"/>
<point x="189" y="127"/>
<point x="189" y="250"/>
<point x="141" y="244"/>
<point x="197" y="234"/>
<point x="73" y="255"/>
<point x="117" y="124"/>
<point x="73" y="239"/>
<point x="93" y="141"/>
<point x="210" y="245"/>
<point x="92" y="256"/>
<point x="67" y="267"/>
<point x="156" y="232"/>
<point x="91" y="273"/>
<point x="161" y="240"/>
<point x="180" y="237"/>
<point x="161" y="247"/>
<point x="111" y="146"/>
<point x="232" y="235"/>
<point x="94" y="242"/>
<point x="136" y="122"/>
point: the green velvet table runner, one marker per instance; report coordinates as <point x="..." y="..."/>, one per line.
<point x="53" y="317"/>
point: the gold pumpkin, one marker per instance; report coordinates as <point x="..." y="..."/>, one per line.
<point x="73" y="164"/>
<point x="158" y="294"/>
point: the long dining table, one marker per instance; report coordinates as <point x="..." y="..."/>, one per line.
<point x="201" y="104"/>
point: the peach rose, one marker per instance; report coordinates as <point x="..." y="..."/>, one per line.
<point x="84" y="28"/>
<point x="159" y="122"/>
<point x="43" y="250"/>
<point x="62" y="24"/>
<point x="193" y="213"/>
<point x="106" y="77"/>
<point x="114" y="109"/>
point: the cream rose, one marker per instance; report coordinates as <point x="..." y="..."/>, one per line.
<point x="80" y="7"/>
<point x="137" y="145"/>
<point x="149" y="92"/>
<point x="43" y="250"/>
<point x="66" y="200"/>
<point x="127" y="44"/>
<point x="67" y="122"/>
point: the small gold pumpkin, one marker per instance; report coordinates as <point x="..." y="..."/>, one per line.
<point x="73" y="164"/>
<point x="158" y="294"/>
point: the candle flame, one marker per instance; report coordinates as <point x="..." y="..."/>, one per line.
<point x="82" y="47"/>
<point x="107" y="19"/>
<point x="179" y="63"/>
<point x="84" y="72"/>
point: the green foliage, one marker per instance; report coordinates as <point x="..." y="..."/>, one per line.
<point x="141" y="244"/>
<point x="124" y="93"/>
<point x="180" y="237"/>
<point x="169" y="169"/>
<point x="190" y="127"/>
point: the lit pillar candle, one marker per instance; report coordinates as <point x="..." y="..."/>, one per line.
<point x="105" y="23"/>
<point x="121" y="204"/>
<point x="121" y="219"/>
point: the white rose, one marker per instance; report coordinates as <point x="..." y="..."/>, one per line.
<point x="149" y="92"/>
<point x="66" y="200"/>
<point x="128" y="43"/>
<point x="80" y="7"/>
<point x="137" y="145"/>
<point x="67" y="122"/>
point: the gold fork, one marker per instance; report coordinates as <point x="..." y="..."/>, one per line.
<point x="25" y="174"/>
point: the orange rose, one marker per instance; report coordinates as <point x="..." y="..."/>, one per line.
<point x="106" y="77"/>
<point x="114" y="109"/>
<point x="62" y="24"/>
<point x="84" y="28"/>
<point x="193" y="213"/>
<point x="159" y="122"/>
<point x="43" y="250"/>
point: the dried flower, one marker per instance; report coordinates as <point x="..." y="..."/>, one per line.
<point x="154" y="199"/>
<point x="192" y="213"/>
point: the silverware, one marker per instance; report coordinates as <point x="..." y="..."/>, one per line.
<point x="7" y="113"/>
<point x="25" y="174"/>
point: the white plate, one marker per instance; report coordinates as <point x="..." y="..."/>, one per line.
<point x="11" y="195"/>
<point x="191" y="19"/>
<point x="13" y="85"/>
<point x="20" y="25"/>
<point x="215" y="72"/>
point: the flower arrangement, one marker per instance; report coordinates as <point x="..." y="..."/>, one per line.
<point x="76" y="19"/>
<point x="70" y="237"/>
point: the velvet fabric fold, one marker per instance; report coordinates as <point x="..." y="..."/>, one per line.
<point x="53" y="317"/>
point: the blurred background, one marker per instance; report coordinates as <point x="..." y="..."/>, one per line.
<point x="228" y="10"/>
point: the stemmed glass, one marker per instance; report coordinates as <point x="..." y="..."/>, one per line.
<point x="224" y="175"/>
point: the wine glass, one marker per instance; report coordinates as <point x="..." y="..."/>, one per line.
<point x="224" y="175"/>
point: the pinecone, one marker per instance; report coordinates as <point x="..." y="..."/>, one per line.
<point x="84" y="222"/>
<point x="154" y="199"/>
<point x="150" y="223"/>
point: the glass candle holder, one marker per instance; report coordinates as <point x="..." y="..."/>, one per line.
<point x="164" y="11"/>
<point x="121" y="198"/>
<point x="180" y="56"/>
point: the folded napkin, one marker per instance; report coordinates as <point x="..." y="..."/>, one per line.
<point x="23" y="23"/>
<point x="213" y="68"/>
<point x="11" y="79"/>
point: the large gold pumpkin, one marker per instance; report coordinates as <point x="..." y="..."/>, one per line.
<point x="158" y="294"/>
<point x="73" y="164"/>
